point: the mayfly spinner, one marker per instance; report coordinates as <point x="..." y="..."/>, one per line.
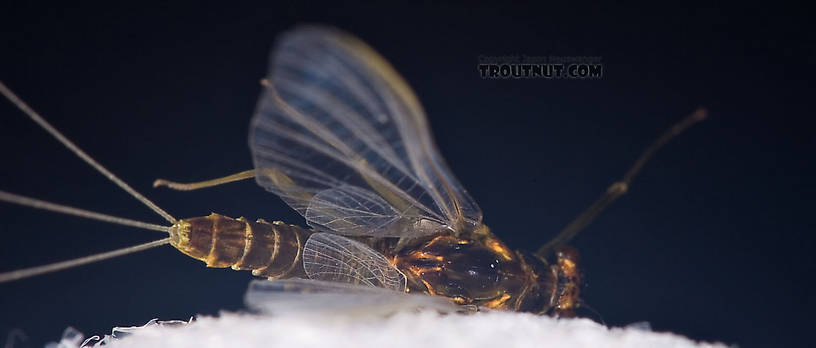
<point x="343" y="140"/>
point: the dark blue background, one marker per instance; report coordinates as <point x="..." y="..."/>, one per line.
<point x="715" y="240"/>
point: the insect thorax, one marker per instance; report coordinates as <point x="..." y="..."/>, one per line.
<point x="477" y="268"/>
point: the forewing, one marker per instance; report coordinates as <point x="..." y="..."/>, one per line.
<point x="307" y="296"/>
<point x="335" y="258"/>
<point x="342" y="139"/>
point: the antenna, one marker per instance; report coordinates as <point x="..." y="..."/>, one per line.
<point x="76" y="150"/>
<point x="59" y="208"/>
<point x="64" y="209"/>
<point x="619" y="188"/>
<point x="57" y="266"/>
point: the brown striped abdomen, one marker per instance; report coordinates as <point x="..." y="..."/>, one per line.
<point x="271" y="250"/>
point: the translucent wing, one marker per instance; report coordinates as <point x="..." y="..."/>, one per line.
<point x="336" y="258"/>
<point x="340" y="137"/>
<point x="306" y="296"/>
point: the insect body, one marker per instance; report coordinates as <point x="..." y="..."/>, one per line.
<point x="474" y="268"/>
<point x="481" y="270"/>
<point x="271" y="250"/>
<point x="343" y="140"/>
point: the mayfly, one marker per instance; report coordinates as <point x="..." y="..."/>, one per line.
<point x="343" y="140"/>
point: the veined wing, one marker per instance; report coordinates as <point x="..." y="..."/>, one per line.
<point x="342" y="139"/>
<point x="307" y="296"/>
<point x="334" y="258"/>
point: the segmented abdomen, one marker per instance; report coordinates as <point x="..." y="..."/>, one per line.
<point x="271" y="250"/>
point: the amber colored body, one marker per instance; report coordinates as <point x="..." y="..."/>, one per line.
<point x="479" y="269"/>
<point x="272" y="250"/>
<point x="472" y="268"/>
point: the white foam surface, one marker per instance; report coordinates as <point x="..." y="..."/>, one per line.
<point x="407" y="329"/>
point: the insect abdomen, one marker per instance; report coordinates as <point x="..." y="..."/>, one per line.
<point x="271" y="250"/>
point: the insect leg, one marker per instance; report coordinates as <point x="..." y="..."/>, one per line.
<point x="618" y="188"/>
<point x="206" y="183"/>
